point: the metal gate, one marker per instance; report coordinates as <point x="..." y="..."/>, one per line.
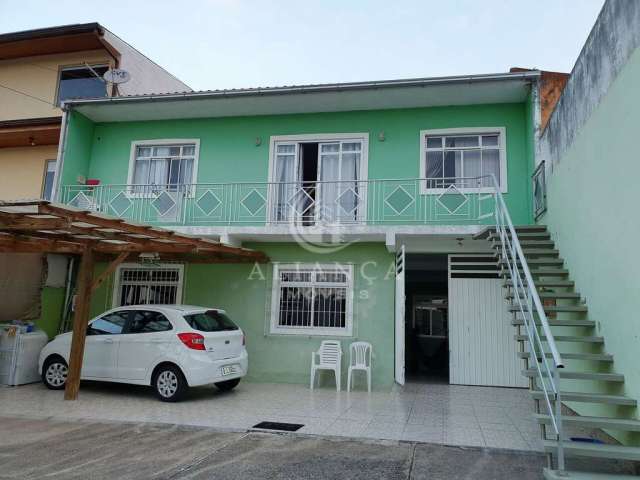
<point x="483" y="350"/>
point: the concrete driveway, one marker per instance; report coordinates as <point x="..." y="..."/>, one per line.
<point x="80" y="449"/>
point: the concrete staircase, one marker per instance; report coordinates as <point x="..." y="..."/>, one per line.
<point x="588" y="376"/>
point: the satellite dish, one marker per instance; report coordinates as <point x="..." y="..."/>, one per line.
<point x="116" y="75"/>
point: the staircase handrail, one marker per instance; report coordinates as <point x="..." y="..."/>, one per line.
<point x="513" y="255"/>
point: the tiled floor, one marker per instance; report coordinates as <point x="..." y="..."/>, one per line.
<point x="434" y="413"/>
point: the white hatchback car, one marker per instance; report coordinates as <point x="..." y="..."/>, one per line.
<point x="170" y="347"/>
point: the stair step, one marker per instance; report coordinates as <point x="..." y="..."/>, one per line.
<point x="589" y="398"/>
<point x="548" y="283"/>
<point x="542" y="272"/>
<point x="559" y="323"/>
<point x="566" y="338"/>
<point x="540" y="252"/>
<point x="529" y="244"/>
<point x="538" y="261"/>
<point x="626" y="424"/>
<point x="551" y="295"/>
<point x="557" y="308"/>
<point x="568" y="374"/>
<point x="584" y="449"/>
<point x="485" y="232"/>
<point x="595" y="357"/>
<point x="575" y="475"/>
<point x="523" y="236"/>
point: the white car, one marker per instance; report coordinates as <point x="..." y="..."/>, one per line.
<point x="170" y="347"/>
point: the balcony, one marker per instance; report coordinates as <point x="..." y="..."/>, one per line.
<point x="430" y="201"/>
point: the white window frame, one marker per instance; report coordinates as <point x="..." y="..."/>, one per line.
<point x="276" y="329"/>
<point x="321" y="138"/>
<point x="159" y="143"/>
<point x="502" y="147"/>
<point x="117" y="275"/>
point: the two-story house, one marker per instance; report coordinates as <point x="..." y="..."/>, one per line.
<point x="366" y="196"/>
<point x="39" y="70"/>
<point x="407" y="214"/>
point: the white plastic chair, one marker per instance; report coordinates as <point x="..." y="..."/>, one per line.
<point x="329" y="357"/>
<point x="360" y="359"/>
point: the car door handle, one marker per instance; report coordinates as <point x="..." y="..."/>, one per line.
<point x="108" y="340"/>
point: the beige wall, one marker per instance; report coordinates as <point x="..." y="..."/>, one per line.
<point x="22" y="171"/>
<point x="38" y="76"/>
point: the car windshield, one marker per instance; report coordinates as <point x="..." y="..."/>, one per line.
<point x="210" y="321"/>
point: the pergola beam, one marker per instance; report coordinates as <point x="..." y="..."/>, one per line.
<point x="108" y="271"/>
<point x="104" y="222"/>
<point x="10" y="244"/>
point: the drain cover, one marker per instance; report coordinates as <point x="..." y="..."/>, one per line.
<point x="285" y="427"/>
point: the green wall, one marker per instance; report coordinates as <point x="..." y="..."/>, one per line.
<point x="593" y="215"/>
<point x="240" y="290"/>
<point x="77" y="155"/>
<point x="245" y="293"/>
<point x="50" y="310"/>
<point x="228" y="151"/>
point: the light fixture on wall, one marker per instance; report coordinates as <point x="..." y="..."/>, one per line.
<point x="32" y="141"/>
<point x="381" y="136"/>
<point x="258" y="141"/>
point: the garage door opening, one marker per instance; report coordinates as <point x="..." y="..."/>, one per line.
<point x="426" y="318"/>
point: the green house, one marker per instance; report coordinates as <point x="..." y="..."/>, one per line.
<point x="335" y="183"/>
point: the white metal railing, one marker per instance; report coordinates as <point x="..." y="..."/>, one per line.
<point x="305" y="203"/>
<point x="527" y="301"/>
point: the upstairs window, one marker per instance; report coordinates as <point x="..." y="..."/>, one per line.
<point x="82" y="82"/>
<point x="166" y="165"/>
<point x="462" y="157"/>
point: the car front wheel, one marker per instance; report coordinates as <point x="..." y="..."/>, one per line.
<point x="169" y="384"/>
<point x="54" y="373"/>
<point x="228" y="385"/>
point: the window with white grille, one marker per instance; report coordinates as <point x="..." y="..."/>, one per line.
<point x="464" y="158"/>
<point x="141" y="285"/>
<point x="163" y="163"/>
<point x="312" y="300"/>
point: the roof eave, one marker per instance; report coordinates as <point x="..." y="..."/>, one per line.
<point x="332" y="87"/>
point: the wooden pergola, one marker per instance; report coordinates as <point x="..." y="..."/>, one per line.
<point x="39" y="226"/>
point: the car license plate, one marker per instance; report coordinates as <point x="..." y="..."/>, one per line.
<point x="228" y="370"/>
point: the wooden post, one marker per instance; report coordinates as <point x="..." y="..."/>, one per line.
<point x="80" y="320"/>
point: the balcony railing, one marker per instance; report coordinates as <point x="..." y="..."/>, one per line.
<point x="361" y="202"/>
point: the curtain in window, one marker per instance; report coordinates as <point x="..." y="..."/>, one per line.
<point x="329" y="172"/>
<point x="349" y="189"/>
<point x="287" y="177"/>
<point x="158" y="172"/>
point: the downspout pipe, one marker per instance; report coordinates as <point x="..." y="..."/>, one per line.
<point x="55" y="191"/>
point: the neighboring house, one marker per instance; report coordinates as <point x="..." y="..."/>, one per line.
<point x="40" y="69"/>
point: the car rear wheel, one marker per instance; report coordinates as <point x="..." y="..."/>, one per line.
<point x="169" y="383"/>
<point x="228" y="385"/>
<point x="54" y="373"/>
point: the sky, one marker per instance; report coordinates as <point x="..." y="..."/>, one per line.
<point x="212" y="44"/>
